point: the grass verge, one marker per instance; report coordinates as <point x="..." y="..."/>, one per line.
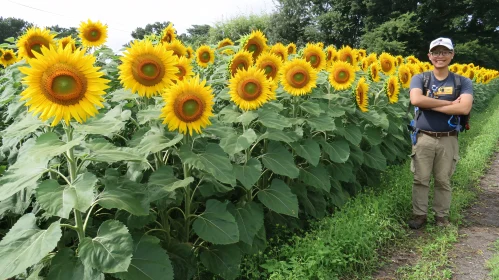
<point x="347" y="244"/>
<point x="493" y="263"/>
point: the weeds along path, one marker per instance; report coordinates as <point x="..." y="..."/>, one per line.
<point x="480" y="231"/>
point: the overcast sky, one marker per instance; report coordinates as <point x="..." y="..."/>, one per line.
<point x="124" y="16"/>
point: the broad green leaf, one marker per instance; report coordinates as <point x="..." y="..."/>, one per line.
<point x="132" y="221"/>
<point x="154" y="141"/>
<point x="149" y="261"/>
<point x="271" y="119"/>
<point x="218" y="129"/>
<point x="65" y="265"/>
<point x="223" y="260"/>
<point x="25" y="245"/>
<point x="280" y="135"/>
<point x="342" y="171"/>
<point x="338" y="150"/>
<point x="259" y="243"/>
<point x="104" y="124"/>
<point x="213" y="161"/>
<point x="247" y="117"/>
<point x="375" y="159"/>
<point x="309" y="150"/>
<point x="335" y="111"/>
<point x="103" y="151"/>
<point x="316" y="176"/>
<point x="352" y="133"/>
<point x="235" y="143"/>
<point x="321" y="123"/>
<point x="110" y="251"/>
<point x="24" y="173"/>
<point x="280" y="161"/>
<point x="18" y="130"/>
<point x="151" y="113"/>
<point x="373" y="135"/>
<point x="249" y="173"/>
<point x="313" y="203"/>
<point x="163" y="182"/>
<point x="121" y="197"/>
<point x="356" y="155"/>
<point x="60" y="200"/>
<point x="279" y="198"/>
<point x="311" y="108"/>
<point x="48" y="146"/>
<point x="212" y="187"/>
<point x="229" y="114"/>
<point x="249" y="220"/>
<point x="123" y="94"/>
<point x="378" y="119"/>
<point x="185" y="263"/>
<point x="216" y="224"/>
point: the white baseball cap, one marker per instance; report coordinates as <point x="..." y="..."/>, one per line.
<point x="446" y="42"/>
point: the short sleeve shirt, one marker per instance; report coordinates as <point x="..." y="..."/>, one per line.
<point x="444" y="90"/>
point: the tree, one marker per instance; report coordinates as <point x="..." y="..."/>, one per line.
<point x="64" y="32"/>
<point x="238" y="26"/>
<point x="291" y="22"/>
<point x="196" y="35"/>
<point x="155" y="28"/>
<point x="12" y="27"/>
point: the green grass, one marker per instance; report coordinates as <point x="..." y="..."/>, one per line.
<point x="349" y="243"/>
<point x="493" y="263"/>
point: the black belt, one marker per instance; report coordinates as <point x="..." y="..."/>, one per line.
<point x="439" y="134"/>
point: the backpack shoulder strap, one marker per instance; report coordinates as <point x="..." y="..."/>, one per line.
<point x="457" y="84"/>
<point x="426" y="81"/>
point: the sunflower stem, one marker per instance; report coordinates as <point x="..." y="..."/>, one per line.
<point x="72" y="177"/>
<point x="187" y="199"/>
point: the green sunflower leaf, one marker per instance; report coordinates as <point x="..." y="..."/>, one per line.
<point x="25" y="245"/>
<point x="65" y="265"/>
<point x="235" y="143"/>
<point x="338" y="150"/>
<point x="110" y="251"/>
<point x="373" y="135"/>
<point x="106" y="124"/>
<point x="280" y="160"/>
<point x="249" y="220"/>
<point x="321" y="123"/>
<point x="103" y="151"/>
<point x="280" y="135"/>
<point x="249" y="173"/>
<point x="316" y="176"/>
<point x="309" y="150"/>
<point x="352" y="133"/>
<point x="223" y="260"/>
<point x="216" y="224"/>
<point x="271" y="119"/>
<point x="375" y="159"/>
<point x="279" y="198"/>
<point x="312" y="108"/>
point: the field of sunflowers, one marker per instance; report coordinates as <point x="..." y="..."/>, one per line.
<point x="166" y="162"/>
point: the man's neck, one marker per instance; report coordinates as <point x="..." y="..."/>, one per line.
<point x="441" y="73"/>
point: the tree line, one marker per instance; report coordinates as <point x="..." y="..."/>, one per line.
<point x="402" y="27"/>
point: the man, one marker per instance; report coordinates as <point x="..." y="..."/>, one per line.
<point x="436" y="148"/>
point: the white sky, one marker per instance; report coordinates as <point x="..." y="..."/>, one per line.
<point x="124" y="16"/>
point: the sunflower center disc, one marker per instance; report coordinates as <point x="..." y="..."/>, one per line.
<point x="241" y="66"/>
<point x="349" y="59"/>
<point x="391" y="89"/>
<point x="251" y="88"/>
<point x="386" y="66"/>
<point x="313" y="59"/>
<point x="181" y="72"/>
<point x="37" y="48"/>
<point x="7" y="56"/>
<point x="149" y="70"/>
<point x="268" y="69"/>
<point x="342" y="76"/>
<point x="205" y="57"/>
<point x="190" y="107"/>
<point x="298" y="77"/>
<point x="252" y="48"/>
<point x="64" y="84"/>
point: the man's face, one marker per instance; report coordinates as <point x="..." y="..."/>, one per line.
<point x="440" y="56"/>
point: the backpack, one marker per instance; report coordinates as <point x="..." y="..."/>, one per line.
<point x="463" y="120"/>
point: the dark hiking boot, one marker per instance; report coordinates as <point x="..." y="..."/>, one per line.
<point x="417" y="221"/>
<point x="442" y="221"/>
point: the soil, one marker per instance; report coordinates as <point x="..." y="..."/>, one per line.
<point x="477" y="236"/>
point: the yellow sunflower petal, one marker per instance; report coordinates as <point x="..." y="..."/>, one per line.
<point x="250" y="89"/>
<point x="298" y="77"/>
<point x="92" y="34"/>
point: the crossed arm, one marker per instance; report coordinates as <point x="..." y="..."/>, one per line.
<point x="460" y="106"/>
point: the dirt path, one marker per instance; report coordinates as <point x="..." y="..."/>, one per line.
<point x="476" y="236"/>
<point x="480" y="231"/>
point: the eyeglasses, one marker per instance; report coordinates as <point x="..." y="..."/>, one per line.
<point x="441" y="53"/>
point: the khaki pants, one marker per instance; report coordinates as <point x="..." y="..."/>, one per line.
<point x="440" y="156"/>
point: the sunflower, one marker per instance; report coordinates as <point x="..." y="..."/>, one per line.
<point x="412" y="59"/>
<point x="372" y="58"/>
<point x="331" y="55"/>
<point x="147" y="69"/>
<point x="361" y="95"/>
<point x="205" y="55"/>
<point x="470" y="74"/>
<point x="184" y="68"/>
<point x="362" y="53"/>
<point x="224" y="43"/>
<point x="392" y="89"/>
<point x="189" y="52"/>
<point x="298" y="77"/>
<point x="464" y="68"/>
<point x="347" y="54"/>
<point x="291" y="48"/>
<point x="250" y="89"/>
<point x="63" y="84"/>
<point x="176" y="47"/>
<point x="8" y="57"/>
<point x="241" y="60"/>
<point x="92" y="34"/>
<point x="168" y="34"/>
<point x="67" y="41"/>
<point x="365" y="64"/>
<point x="255" y="43"/>
<point x="320" y="44"/>
<point x="189" y="104"/>
<point x="315" y="56"/>
<point x="270" y="64"/>
<point x="342" y="75"/>
<point x="405" y="76"/>
<point x="280" y="50"/>
<point x="374" y="72"/>
<point x="454" y="67"/>
<point x="32" y="41"/>
<point x="399" y="60"/>
<point x="387" y="63"/>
